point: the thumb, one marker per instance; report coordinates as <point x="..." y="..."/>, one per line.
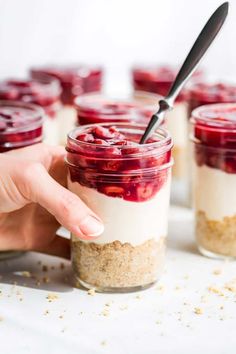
<point x="67" y="207"/>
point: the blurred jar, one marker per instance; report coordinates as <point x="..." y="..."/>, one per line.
<point x="98" y="108"/>
<point x="74" y="80"/>
<point x="45" y="93"/>
<point x="214" y="178"/>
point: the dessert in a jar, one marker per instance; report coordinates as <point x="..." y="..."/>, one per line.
<point x="21" y="125"/>
<point x="75" y="80"/>
<point x="158" y="79"/>
<point x="98" y="108"/>
<point x="45" y="93"/>
<point x="208" y="93"/>
<point x="128" y="186"/>
<point x="214" y="178"/>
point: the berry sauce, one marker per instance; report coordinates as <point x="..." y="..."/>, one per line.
<point x="74" y="80"/>
<point x="214" y="134"/>
<point x="45" y="93"/>
<point x="20" y="125"/>
<point x="112" y="161"/>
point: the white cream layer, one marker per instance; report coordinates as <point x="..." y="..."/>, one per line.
<point x="127" y="221"/>
<point x="177" y="124"/>
<point x="67" y="121"/>
<point x="214" y="192"/>
<point x="51" y="131"/>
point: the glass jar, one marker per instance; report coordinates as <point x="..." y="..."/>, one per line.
<point x="21" y="124"/>
<point x="214" y="179"/>
<point x="203" y="93"/>
<point x="45" y="93"/>
<point x="97" y="108"/>
<point x="127" y="185"/>
<point x="74" y="80"/>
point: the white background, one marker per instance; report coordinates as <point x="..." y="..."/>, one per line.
<point x="115" y="33"/>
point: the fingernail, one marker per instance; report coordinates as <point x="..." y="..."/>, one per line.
<point x="91" y="226"/>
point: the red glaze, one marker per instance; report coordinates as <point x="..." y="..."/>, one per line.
<point x="74" y="80"/>
<point x="214" y="131"/>
<point x="157" y="80"/>
<point x="20" y="125"/>
<point x="111" y="161"/>
<point x="45" y="93"/>
<point x="96" y="108"/>
<point x="203" y="93"/>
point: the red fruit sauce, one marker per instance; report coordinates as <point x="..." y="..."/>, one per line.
<point x="158" y="80"/>
<point x="96" y="108"/>
<point x="214" y="134"/>
<point x="45" y="93"/>
<point x="204" y="93"/>
<point x="110" y="160"/>
<point x="74" y="80"/>
<point x="20" y="125"/>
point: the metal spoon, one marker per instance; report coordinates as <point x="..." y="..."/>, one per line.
<point x="202" y="43"/>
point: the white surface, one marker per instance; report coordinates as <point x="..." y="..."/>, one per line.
<point x="157" y="322"/>
<point x="124" y="220"/>
<point x="214" y="192"/>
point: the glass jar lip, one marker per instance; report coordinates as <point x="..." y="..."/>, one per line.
<point x="197" y="116"/>
<point x="134" y="101"/>
<point x="67" y="73"/>
<point x="165" y="142"/>
<point x="209" y="88"/>
<point x="35" y="118"/>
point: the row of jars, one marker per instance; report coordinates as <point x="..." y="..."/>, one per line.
<point x="128" y="185"/>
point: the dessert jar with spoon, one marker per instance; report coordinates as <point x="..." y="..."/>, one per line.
<point x="97" y="108"/>
<point x="214" y="178"/>
<point x="74" y="80"/>
<point x="45" y="93"/>
<point x="128" y="186"/>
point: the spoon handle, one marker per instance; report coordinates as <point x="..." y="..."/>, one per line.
<point x="199" y="48"/>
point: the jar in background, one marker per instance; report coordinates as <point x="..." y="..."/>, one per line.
<point x="214" y="178"/>
<point x="45" y="93"/>
<point x="21" y="125"/>
<point x="98" y="108"/>
<point x="128" y="186"/>
<point x="74" y="80"/>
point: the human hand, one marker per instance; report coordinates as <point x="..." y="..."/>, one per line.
<point x="34" y="202"/>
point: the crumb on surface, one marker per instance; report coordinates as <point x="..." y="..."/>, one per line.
<point x="217" y="271"/>
<point x="91" y="292"/>
<point x="105" y="312"/>
<point x="215" y="290"/>
<point x="198" y="311"/>
<point x="26" y="274"/>
<point x="51" y="297"/>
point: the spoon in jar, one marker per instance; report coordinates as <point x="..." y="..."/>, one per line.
<point x="199" y="48"/>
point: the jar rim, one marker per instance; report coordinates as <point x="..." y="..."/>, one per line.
<point x="196" y="89"/>
<point x="225" y="124"/>
<point x="36" y="118"/>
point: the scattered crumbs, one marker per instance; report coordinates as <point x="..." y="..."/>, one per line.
<point x="61" y="317"/>
<point x="26" y="274"/>
<point x="107" y="304"/>
<point x="123" y="307"/>
<point x="81" y="313"/>
<point x="62" y="265"/>
<point x="215" y="290"/>
<point x="46" y="312"/>
<point x="198" y="311"/>
<point x="46" y="280"/>
<point x="231" y="286"/>
<point x="105" y="312"/>
<point x="103" y="343"/>
<point x="138" y="296"/>
<point x="44" y="268"/>
<point x="221" y="307"/>
<point x="21" y="298"/>
<point x="91" y="292"/>
<point x="51" y="297"/>
<point x="217" y="271"/>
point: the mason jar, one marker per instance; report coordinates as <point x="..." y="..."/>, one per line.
<point x="128" y="186"/>
<point x="74" y="80"/>
<point x="214" y="178"/>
